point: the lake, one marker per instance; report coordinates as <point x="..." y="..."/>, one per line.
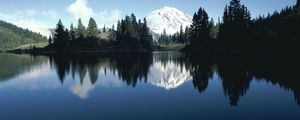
<point x="159" y="85"/>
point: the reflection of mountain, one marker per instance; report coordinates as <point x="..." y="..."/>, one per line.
<point x="13" y="65"/>
<point x="169" y="75"/>
<point x="170" y="70"/>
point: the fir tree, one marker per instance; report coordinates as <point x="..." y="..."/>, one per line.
<point x="92" y="28"/>
<point x="60" y="32"/>
<point x="80" y="31"/>
<point x="200" y="31"/>
<point x="72" y="32"/>
<point x="50" y="40"/>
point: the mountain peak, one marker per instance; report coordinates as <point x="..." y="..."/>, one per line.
<point x="168" y="18"/>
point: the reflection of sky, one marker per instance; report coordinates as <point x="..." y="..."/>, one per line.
<point x="39" y="92"/>
<point x="42" y="77"/>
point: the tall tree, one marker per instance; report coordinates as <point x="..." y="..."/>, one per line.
<point x="50" y="40"/>
<point x="72" y="32"/>
<point x="145" y="36"/>
<point x="298" y="3"/>
<point x="92" y="28"/>
<point x="235" y="26"/>
<point x="200" y="31"/>
<point x="80" y="31"/>
<point x="181" y="35"/>
<point x="60" y="32"/>
<point x="104" y="29"/>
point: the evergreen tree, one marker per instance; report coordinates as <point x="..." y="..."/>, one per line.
<point x="80" y="31"/>
<point x="92" y="28"/>
<point x="104" y="29"/>
<point x="60" y="33"/>
<point x="145" y="36"/>
<point x="298" y="3"/>
<point x="72" y="32"/>
<point x="235" y="26"/>
<point x="181" y="35"/>
<point x="187" y="35"/>
<point x="49" y="40"/>
<point x="200" y="31"/>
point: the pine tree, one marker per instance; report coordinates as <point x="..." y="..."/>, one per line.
<point x="145" y="36"/>
<point x="298" y="3"/>
<point x="72" y="32"/>
<point x="181" y="35"/>
<point x="50" y="40"/>
<point x="187" y="34"/>
<point x="80" y="31"/>
<point x="60" y="32"/>
<point x="200" y="31"/>
<point x="104" y="29"/>
<point x="92" y="28"/>
<point x="235" y="26"/>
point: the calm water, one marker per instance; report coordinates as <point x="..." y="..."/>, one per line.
<point x="165" y="85"/>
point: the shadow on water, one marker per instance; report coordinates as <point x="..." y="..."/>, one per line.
<point x="235" y="72"/>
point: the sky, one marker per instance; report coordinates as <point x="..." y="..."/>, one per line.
<point x="40" y="15"/>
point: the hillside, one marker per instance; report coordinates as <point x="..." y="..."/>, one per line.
<point x="12" y="36"/>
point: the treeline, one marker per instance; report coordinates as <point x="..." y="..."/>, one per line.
<point x="179" y="37"/>
<point x="12" y="36"/>
<point x="131" y="35"/>
<point x="239" y="33"/>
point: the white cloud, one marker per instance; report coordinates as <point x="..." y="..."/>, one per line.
<point x="80" y="9"/>
<point x="50" y="13"/>
<point x="33" y="25"/>
<point x="26" y="19"/>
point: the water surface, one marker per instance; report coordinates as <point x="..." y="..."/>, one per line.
<point x="161" y="85"/>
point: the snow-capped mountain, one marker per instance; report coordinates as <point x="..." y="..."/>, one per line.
<point x="168" y="18"/>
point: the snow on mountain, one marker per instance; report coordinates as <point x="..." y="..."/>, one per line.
<point x="168" y="18"/>
<point x="168" y="75"/>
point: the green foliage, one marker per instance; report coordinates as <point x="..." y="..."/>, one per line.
<point x="80" y="31"/>
<point x="279" y="31"/>
<point x="92" y="28"/>
<point x="12" y="36"/>
<point x="200" y="32"/>
<point x="62" y="36"/>
<point x="133" y="35"/>
<point x="72" y="33"/>
<point x="235" y="26"/>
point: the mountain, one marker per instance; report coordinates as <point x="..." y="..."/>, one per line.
<point x="168" y="75"/>
<point x="168" y="18"/>
<point x="12" y="36"/>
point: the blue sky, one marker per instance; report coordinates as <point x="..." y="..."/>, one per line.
<point x="38" y="15"/>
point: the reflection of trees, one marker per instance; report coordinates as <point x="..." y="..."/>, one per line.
<point x="133" y="67"/>
<point x="236" y="72"/>
<point x="202" y="72"/>
<point x="130" y="67"/>
<point x="235" y="79"/>
<point x="13" y="65"/>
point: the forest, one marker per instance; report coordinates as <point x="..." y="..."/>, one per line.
<point x="131" y="35"/>
<point x="237" y="32"/>
<point x="12" y="36"/>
